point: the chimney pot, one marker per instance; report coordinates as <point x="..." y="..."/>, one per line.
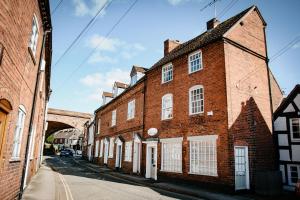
<point x="213" y="23"/>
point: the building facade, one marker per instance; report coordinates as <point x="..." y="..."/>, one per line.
<point x="119" y="125"/>
<point x="287" y="135"/>
<point x="207" y="109"/>
<point x="25" y="61"/>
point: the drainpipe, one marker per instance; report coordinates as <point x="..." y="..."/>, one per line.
<point x="32" y="114"/>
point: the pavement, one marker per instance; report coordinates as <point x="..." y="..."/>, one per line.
<point x="75" y="178"/>
<point x="65" y="179"/>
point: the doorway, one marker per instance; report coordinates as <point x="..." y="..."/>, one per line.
<point x="241" y="168"/>
<point x="105" y="151"/>
<point x="151" y="162"/>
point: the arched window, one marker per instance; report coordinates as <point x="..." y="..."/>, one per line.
<point x="196" y="99"/>
<point x="5" y="108"/>
<point x="18" y="132"/>
<point x="167" y="106"/>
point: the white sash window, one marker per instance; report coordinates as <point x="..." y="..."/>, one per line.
<point x="171" y="155"/>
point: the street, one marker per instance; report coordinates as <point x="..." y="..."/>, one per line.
<point x="64" y="179"/>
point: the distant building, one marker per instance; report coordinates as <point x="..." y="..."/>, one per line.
<point x="25" y="68"/>
<point x="68" y="138"/>
<point x="287" y="134"/>
<point x="88" y="140"/>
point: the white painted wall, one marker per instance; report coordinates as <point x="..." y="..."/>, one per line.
<point x="280" y="124"/>
<point x="283" y="140"/>
<point x="284" y="155"/>
<point x="295" y="152"/>
<point x="289" y="108"/>
<point x="297" y="100"/>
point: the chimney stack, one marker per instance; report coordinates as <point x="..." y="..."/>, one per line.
<point x="213" y="23"/>
<point x="169" y="45"/>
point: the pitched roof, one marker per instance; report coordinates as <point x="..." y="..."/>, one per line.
<point x="107" y="94"/>
<point x="121" y="85"/>
<point x="140" y="69"/>
<point x="201" y="40"/>
<point x="67" y="134"/>
<point x="286" y="101"/>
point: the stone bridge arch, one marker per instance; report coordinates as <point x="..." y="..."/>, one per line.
<point x="62" y="119"/>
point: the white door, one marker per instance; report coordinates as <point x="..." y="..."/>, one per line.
<point x="89" y="152"/>
<point x="118" y="155"/>
<point x="105" y="152"/>
<point x="241" y="168"/>
<point x="151" y="162"/>
<point x="136" y="157"/>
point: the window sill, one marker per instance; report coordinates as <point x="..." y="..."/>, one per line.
<point x="32" y="55"/>
<point x="128" y="161"/>
<point x="175" y="172"/>
<point x="195" y="71"/>
<point x="193" y="173"/>
<point x="14" y="160"/>
<point x="131" y="119"/>
<point x="167" y="119"/>
<point x="196" y="114"/>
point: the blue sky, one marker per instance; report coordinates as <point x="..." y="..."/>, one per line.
<point x="138" y="39"/>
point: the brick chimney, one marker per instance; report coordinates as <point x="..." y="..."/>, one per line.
<point x="213" y="23"/>
<point x="169" y="45"/>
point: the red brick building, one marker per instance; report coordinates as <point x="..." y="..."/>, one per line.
<point x="207" y="109"/>
<point x="25" y="60"/>
<point x="119" y="125"/>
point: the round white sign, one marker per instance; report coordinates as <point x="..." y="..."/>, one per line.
<point x="152" y="131"/>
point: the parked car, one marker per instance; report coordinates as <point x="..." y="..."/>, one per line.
<point x="66" y="152"/>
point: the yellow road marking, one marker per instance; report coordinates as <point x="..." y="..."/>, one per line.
<point x="66" y="187"/>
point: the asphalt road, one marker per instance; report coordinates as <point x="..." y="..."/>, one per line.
<point x="70" y="181"/>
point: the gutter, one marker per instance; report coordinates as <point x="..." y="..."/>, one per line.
<point x="33" y="108"/>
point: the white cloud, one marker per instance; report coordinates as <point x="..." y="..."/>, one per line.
<point x="90" y="7"/>
<point x="103" y="43"/>
<point x="178" y="2"/>
<point x="112" y="45"/>
<point x="100" y="82"/>
<point x="98" y="57"/>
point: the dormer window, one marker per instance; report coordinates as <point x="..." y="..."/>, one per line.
<point x="133" y="79"/>
<point x="136" y="74"/>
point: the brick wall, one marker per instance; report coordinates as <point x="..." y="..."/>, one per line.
<point x="18" y="73"/>
<point x="125" y="128"/>
<point x="212" y="77"/>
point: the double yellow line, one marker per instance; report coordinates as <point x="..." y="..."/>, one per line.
<point x="66" y="187"/>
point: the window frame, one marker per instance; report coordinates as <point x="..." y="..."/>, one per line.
<point x="19" y="129"/>
<point x="200" y="62"/>
<point x="114" y="118"/>
<point x="96" y="148"/>
<point x="289" y="173"/>
<point x="33" y="42"/>
<point x="206" y="139"/>
<point x="99" y="126"/>
<point x="193" y="88"/>
<point x="111" y="147"/>
<point x="171" y="141"/>
<point x="164" y="108"/>
<point x="131" y="112"/>
<point x="128" y="151"/>
<point x="291" y="129"/>
<point x="101" y="148"/>
<point x="163" y="74"/>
